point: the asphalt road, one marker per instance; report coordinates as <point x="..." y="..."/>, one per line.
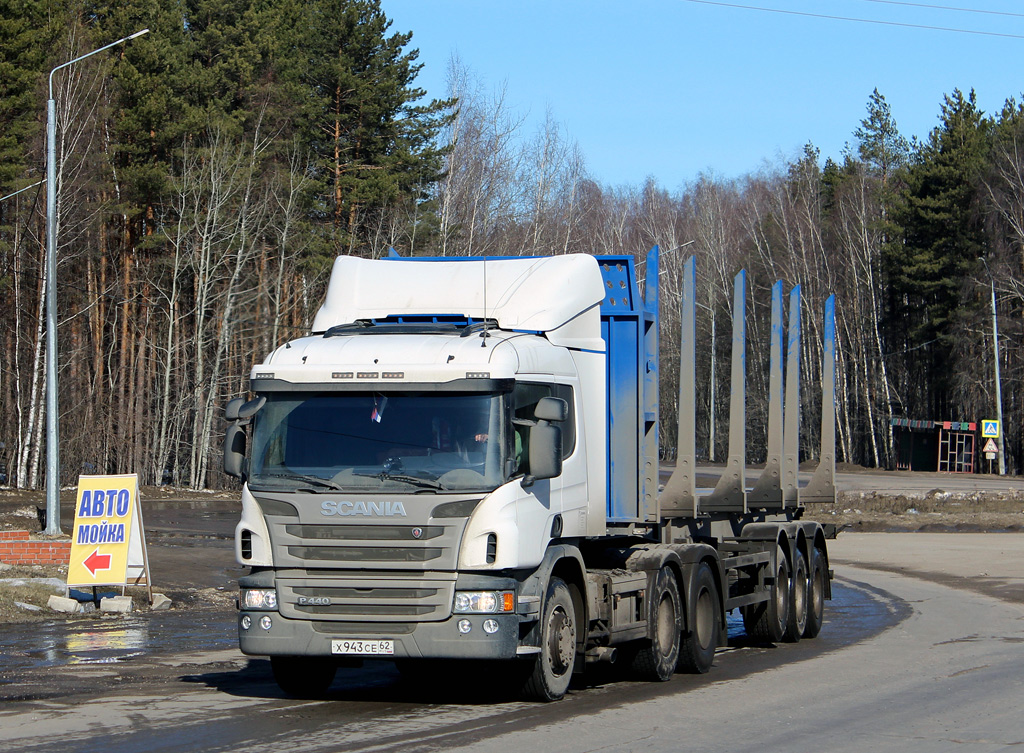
<point x="912" y="658"/>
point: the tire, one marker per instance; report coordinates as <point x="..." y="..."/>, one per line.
<point x="698" y="646"/>
<point x="815" y="594"/>
<point x="797" y="621"/>
<point x="552" y="668"/>
<point x="658" y="656"/>
<point x="766" y="622"/>
<point x="303" y="676"/>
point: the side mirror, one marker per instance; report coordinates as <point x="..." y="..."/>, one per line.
<point x="238" y="412"/>
<point x="551" y="409"/>
<point x="234" y="451"/>
<point x="545" y="450"/>
<point x="251" y="408"/>
<point x="238" y="409"/>
<point x="232" y="408"/>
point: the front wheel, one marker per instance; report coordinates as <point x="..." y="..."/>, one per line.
<point x="303" y="676"/>
<point x="552" y="668"/>
<point x="699" y="644"/>
<point x="657" y="659"/>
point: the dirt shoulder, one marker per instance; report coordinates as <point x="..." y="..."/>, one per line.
<point x="935" y="511"/>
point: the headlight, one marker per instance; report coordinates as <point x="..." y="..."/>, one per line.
<point x="484" y="602"/>
<point x="259" y="598"/>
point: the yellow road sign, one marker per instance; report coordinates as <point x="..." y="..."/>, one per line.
<point x="107" y="544"/>
<point x="990" y="428"/>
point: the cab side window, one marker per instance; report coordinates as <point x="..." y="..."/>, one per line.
<point x="524" y="403"/>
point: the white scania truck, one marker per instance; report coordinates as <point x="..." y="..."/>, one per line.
<point x="460" y="462"/>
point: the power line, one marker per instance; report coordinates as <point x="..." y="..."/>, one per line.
<point x="855" y="20"/>
<point x="948" y="7"/>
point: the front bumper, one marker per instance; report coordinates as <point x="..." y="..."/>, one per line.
<point x="423" y="640"/>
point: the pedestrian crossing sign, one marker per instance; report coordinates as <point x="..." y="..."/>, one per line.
<point x="990" y="428"/>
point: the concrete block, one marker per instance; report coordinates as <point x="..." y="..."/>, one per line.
<point x="160" y="602"/>
<point x="117" y="604"/>
<point x="63" y="604"/>
<point x="28" y="607"/>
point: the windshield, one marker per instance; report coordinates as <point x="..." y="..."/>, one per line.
<point x="373" y="442"/>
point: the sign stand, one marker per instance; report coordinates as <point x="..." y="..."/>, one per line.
<point x="108" y="545"/>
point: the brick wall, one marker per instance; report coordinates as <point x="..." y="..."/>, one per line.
<point x="16" y="548"/>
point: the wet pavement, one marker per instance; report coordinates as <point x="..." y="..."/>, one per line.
<point x="113" y="640"/>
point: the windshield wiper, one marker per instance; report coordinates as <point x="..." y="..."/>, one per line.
<point x="308" y="478"/>
<point x="426" y="483"/>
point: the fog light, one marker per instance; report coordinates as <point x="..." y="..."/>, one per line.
<point x="265" y="622"/>
<point x="490" y="627"/>
<point x="465" y="626"/>
<point x="246" y="622"/>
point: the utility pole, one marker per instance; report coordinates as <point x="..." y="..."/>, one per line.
<point x="999" y="387"/>
<point x="52" y="425"/>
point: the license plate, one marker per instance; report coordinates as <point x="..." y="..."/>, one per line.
<point x="363" y="647"/>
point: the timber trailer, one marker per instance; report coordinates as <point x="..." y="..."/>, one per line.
<point x="461" y="462"/>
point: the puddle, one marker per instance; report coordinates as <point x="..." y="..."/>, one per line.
<point x="60" y="643"/>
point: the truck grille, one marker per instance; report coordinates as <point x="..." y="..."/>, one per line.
<point x="369" y="546"/>
<point x="374" y="554"/>
<point x="381" y="598"/>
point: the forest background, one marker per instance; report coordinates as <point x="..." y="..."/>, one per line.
<point x="209" y="172"/>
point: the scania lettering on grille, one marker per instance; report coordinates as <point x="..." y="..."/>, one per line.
<point x="373" y="509"/>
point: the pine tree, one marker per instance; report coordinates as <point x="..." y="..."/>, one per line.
<point x="372" y="140"/>
<point x="942" y="235"/>
<point x="23" y="44"/>
<point x="880" y="144"/>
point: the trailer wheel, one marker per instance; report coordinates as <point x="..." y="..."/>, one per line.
<point x="303" y="676"/>
<point x="767" y="621"/>
<point x="797" y="621"/>
<point x="698" y="646"/>
<point x="815" y="594"/>
<point x="657" y="658"/>
<point x="552" y="668"/>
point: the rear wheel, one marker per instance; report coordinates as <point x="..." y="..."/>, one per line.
<point x="767" y="621"/>
<point x="797" y="622"/>
<point x="657" y="659"/>
<point x="698" y="646"/>
<point x="552" y="668"/>
<point x="815" y="594"/>
<point x="303" y="676"/>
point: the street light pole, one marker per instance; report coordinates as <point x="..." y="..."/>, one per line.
<point x="999" y="389"/>
<point x="52" y="430"/>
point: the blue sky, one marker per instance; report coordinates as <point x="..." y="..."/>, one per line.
<point x="670" y="88"/>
